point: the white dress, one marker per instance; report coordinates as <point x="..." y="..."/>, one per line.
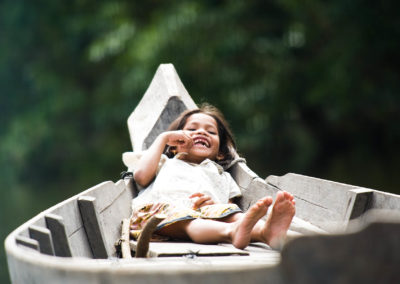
<point x="175" y="181"/>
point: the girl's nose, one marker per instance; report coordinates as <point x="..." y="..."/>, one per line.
<point x="201" y="130"/>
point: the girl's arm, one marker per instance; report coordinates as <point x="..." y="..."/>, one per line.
<point x="148" y="163"/>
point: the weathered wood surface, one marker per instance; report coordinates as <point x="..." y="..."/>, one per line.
<point x="92" y="227"/>
<point x="73" y="226"/>
<point x="27" y="242"/>
<point x="124" y="242"/>
<point x="331" y="205"/>
<point x="252" y="186"/>
<point x="163" y="101"/>
<point x="43" y="236"/>
<point x="113" y="204"/>
<point x="56" y="226"/>
<point x="168" y="249"/>
<point x="320" y="202"/>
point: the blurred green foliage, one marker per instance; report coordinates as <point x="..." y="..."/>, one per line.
<point x="310" y="87"/>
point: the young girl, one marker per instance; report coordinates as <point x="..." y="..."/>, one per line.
<point x="185" y="180"/>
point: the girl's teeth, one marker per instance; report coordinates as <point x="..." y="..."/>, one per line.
<point x="202" y="142"/>
<point x="199" y="142"/>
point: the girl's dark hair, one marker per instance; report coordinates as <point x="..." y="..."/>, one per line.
<point x="227" y="145"/>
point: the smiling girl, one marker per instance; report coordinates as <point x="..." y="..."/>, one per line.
<point x="183" y="173"/>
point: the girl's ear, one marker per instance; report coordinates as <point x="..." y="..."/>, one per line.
<point x="220" y="157"/>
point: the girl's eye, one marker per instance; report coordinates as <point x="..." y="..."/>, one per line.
<point x="212" y="132"/>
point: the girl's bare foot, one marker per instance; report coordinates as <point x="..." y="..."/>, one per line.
<point x="241" y="232"/>
<point x="278" y="222"/>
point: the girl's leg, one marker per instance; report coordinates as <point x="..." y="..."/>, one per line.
<point x="210" y="231"/>
<point x="198" y="230"/>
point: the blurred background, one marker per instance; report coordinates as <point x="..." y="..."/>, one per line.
<point x="310" y="87"/>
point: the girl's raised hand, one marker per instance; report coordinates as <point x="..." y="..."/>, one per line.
<point x="200" y="200"/>
<point x="179" y="138"/>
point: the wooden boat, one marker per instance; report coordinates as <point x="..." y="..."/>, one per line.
<point x="346" y="233"/>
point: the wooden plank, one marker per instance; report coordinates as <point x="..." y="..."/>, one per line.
<point x="358" y="203"/>
<point x="125" y="247"/>
<point x="171" y="111"/>
<point x="92" y="227"/>
<point x="385" y="200"/>
<point x="28" y="242"/>
<point x="72" y="220"/>
<point x="256" y="190"/>
<point x="242" y="175"/>
<point x="251" y="185"/>
<point x="321" y="202"/>
<point x="113" y="204"/>
<point x="168" y="249"/>
<point x="55" y="224"/>
<point x="165" y="97"/>
<point x="43" y="236"/>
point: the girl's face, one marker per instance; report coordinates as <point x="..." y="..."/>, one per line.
<point x="203" y="130"/>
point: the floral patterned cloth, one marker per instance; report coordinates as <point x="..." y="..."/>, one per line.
<point x="177" y="213"/>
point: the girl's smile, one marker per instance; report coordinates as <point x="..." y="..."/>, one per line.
<point x="201" y="141"/>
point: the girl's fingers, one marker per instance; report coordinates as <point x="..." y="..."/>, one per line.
<point x="209" y="202"/>
<point x="186" y="135"/>
<point x="187" y="140"/>
<point x="180" y="138"/>
<point x="203" y="201"/>
<point x="197" y="194"/>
